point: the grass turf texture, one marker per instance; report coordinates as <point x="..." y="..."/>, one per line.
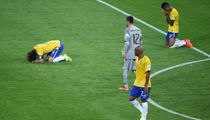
<point x="87" y="88"/>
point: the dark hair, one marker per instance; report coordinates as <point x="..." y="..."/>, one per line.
<point x="164" y="4"/>
<point x="32" y="55"/>
<point x="130" y="19"/>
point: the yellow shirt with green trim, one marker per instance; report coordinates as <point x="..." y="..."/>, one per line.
<point x="174" y="15"/>
<point x="143" y="65"/>
<point x="47" y="47"/>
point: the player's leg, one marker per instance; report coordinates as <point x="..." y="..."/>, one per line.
<point x="144" y="98"/>
<point x="170" y="39"/>
<point x="135" y="93"/>
<point x="55" y="55"/>
<point x="175" y="43"/>
<point x="125" y="75"/>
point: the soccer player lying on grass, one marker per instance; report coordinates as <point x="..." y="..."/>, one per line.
<point x="49" y="51"/>
<point x="142" y="84"/>
<point x="132" y="38"/>
<point x="172" y="17"/>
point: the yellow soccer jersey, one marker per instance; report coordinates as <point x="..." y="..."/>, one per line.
<point x="143" y="65"/>
<point x="174" y="15"/>
<point x="47" y="47"/>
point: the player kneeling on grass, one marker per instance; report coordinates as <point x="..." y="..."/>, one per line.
<point x="49" y="51"/>
<point x="142" y="84"/>
<point x="172" y="17"/>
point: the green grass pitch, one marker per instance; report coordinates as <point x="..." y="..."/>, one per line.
<point x="87" y="88"/>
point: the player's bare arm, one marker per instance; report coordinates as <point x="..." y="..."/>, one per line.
<point x="50" y="59"/>
<point x="39" y="61"/>
<point x="147" y="82"/>
<point x="169" y="21"/>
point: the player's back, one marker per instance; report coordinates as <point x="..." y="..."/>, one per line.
<point x="134" y="38"/>
<point x="136" y="34"/>
<point x="47" y="47"/>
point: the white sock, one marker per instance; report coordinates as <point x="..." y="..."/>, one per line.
<point x="58" y="59"/>
<point x="178" y="43"/>
<point x="181" y="43"/>
<point x="144" y="110"/>
<point x="136" y="105"/>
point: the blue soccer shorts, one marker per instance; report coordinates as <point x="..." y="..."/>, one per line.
<point x="171" y="35"/>
<point x="57" y="52"/>
<point x="139" y="92"/>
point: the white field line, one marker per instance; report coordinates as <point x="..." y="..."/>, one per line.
<point x="176" y="66"/>
<point x="166" y="69"/>
<point x="147" y="24"/>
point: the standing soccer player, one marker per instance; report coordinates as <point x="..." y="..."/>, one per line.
<point x="172" y="17"/>
<point x="142" y="84"/>
<point x="132" y="38"/>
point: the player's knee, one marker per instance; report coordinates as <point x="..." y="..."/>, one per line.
<point x="143" y="100"/>
<point x="50" y="59"/>
<point x="171" y="42"/>
<point x="131" y="98"/>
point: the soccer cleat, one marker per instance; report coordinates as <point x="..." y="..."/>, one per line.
<point x="188" y="43"/>
<point x="67" y="58"/>
<point x="124" y="89"/>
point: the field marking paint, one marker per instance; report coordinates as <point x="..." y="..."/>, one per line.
<point x="166" y="69"/>
<point x="147" y="24"/>
<point x="176" y="66"/>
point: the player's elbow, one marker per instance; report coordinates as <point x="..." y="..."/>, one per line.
<point x="50" y="59"/>
<point x="171" y="23"/>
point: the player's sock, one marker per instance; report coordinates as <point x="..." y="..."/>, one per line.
<point x="125" y="77"/>
<point x="136" y="105"/>
<point x="178" y="43"/>
<point x="58" y="59"/>
<point x="181" y="43"/>
<point x="126" y="85"/>
<point x="144" y="110"/>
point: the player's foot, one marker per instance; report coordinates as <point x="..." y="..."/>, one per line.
<point x="124" y="88"/>
<point x="188" y="43"/>
<point x="67" y="58"/>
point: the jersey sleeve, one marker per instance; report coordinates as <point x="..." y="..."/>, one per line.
<point x="39" y="52"/>
<point x="147" y="65"/>
<point x="127" y="42"/>
<point x="173" y="15"/>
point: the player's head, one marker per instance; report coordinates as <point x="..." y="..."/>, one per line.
<point x="138" y="51"/>
<point x="129" y="20"/>
<point x="166" y="6"/>
<point x="31" y="56"/>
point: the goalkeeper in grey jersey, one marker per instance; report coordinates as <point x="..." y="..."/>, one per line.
<point x="132" y="39"/>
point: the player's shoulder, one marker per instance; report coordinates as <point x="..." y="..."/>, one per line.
<point x="147" y="59"/>
<point x="174" y="10"/>
<point x="134" y="28"/>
